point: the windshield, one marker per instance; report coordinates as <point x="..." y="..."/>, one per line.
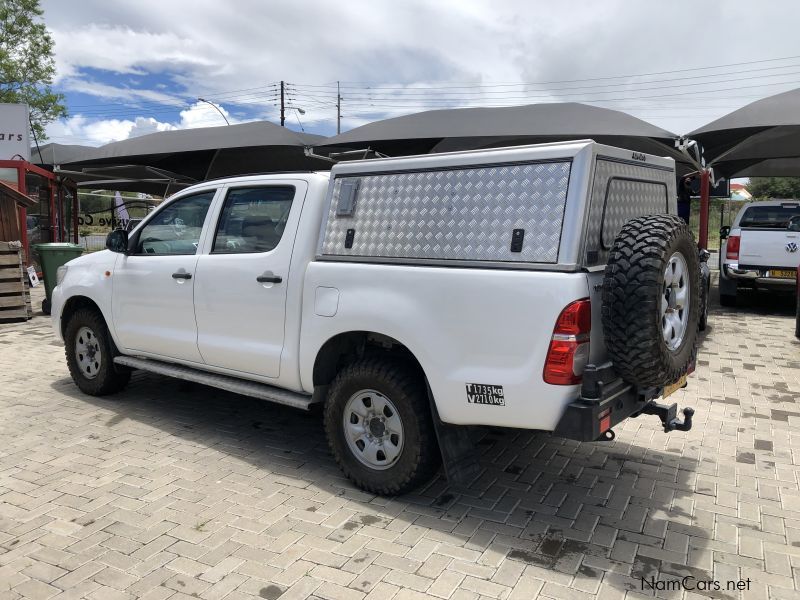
<point x="773" y="217"/>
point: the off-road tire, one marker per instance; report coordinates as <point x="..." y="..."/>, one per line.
<point x="109" y="379"/>
<point x="419" y="458"/>
<point x="633" y="289"/>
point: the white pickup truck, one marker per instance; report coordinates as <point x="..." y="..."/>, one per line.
<point x="544" y="287"/>
<point x="760" y="249"/>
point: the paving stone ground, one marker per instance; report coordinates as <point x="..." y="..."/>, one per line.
<point x="170" y="490"/>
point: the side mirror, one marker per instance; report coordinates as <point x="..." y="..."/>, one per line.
<point x="724" y="231"/>
<point x="117" y="241"/>
<point x="704" y="255"/>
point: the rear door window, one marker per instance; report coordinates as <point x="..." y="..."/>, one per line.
<point x="253" y="219"/>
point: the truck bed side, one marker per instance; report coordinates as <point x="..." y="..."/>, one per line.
<point x="464" y="326"/>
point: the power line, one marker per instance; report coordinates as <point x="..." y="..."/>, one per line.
<point x="753" y="62"/>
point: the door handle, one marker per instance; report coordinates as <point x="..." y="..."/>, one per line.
<point x="180" y="275"/>
<point x="268" y="277"/>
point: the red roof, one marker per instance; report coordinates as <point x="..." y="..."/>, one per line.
<point x="735" y="187"/>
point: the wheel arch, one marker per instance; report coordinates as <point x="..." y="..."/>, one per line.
<point x="74" y="304"/>
<point x="347" y="347"/>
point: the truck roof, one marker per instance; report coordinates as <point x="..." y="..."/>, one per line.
<point x="546" y="151"/>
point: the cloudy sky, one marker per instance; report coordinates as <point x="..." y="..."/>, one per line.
<point x="130" y="67"/>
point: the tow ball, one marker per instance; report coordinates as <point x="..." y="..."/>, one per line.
<point x="669" y="416"/>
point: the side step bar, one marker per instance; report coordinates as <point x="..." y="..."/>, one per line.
<point x="254" y="389"/>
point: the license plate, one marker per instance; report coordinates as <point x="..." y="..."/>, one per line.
<point x="674" y="387"/>
<point x="782" y="273"/>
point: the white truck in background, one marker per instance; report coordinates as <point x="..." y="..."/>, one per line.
<point x="545" y="287"/>
<point x="761" y="249"/>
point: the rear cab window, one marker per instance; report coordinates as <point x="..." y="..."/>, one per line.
<point x="778" y="216"/>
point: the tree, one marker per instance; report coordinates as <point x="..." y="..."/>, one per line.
<point x="27" y="66"/>
<point x="774" y="187"/>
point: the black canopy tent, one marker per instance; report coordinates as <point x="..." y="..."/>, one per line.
<point x="51" y="154"/>
<point x="168" y="160"/>
<point x="767" y="129"/>
<point x="485" y="127"/>
<point x="761" y="139"/>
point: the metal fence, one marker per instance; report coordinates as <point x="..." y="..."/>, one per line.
<point x="98" y="216"/>
<point x="720" y="212"/>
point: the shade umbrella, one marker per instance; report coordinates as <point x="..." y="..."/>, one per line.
<point x="759" y="139"/>
<point x="208" y="152"/>
<point x="136" y="178"/>
<point x="773" y="167"/>
<point x="55" y="154"/>
<point x="486" y="127"/>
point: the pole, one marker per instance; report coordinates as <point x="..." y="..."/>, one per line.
<point x="704" y="191"/>
<point x="283" y="108"/>
<point x="338" y="109"/>
<point x="217" y="108"/>
<point x="75" y="209"/>
<point x="23" y="214"/>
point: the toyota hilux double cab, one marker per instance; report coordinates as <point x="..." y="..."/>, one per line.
<point x="548" y="287"/>
<point x="760" y="249"/>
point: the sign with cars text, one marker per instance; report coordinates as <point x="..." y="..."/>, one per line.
<point x="14" y="132"/>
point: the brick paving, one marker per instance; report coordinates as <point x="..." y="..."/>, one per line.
<point x="177" y="491"/>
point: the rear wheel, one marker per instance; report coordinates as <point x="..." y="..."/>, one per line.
<point x="727" y="299"/>
<point x="727" y="291"/>
<point x="651" y="300"/>
<point x="90" y="355"/>
<point x="797" y="316"/>
<point x="379" y="427"/>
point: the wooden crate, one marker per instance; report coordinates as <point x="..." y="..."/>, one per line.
<point x="15" y="298"/>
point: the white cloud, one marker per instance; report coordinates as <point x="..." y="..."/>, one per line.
<point x="83" y="131"/>
<point x="122" y="50"/>
<point x="211" y="49"/>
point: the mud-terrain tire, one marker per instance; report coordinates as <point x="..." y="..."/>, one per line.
<point x="651" y="300"/>
<point x="383" y="392"/>
<point x="85" y="337"/>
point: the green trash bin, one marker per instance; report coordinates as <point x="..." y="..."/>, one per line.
<point x="52" y="256"/>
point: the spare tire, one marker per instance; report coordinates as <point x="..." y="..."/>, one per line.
<point x="651" y="300"/>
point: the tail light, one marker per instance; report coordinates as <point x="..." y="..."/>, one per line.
<point x="569" y="346"/>
<point x="732" y="249"/>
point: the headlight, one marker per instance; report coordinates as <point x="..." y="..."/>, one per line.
<point x="60" y="274"/>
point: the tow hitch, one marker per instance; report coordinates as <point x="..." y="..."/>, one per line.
<point x="606" y="400"/>
<point x="669" y="416"/>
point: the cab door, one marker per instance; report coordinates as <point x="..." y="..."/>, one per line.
<point x="241" y="282"/>
<point x="152" y="299"/>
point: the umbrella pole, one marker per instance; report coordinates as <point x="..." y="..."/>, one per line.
<point x="704" y="191"/>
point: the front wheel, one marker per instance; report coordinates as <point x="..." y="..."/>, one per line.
<point x="90" y="355"/>
<point x="379" y="427"/>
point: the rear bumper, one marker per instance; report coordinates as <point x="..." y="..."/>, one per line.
<point x="755" y="276"/>
<point x="606" y="400"/>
